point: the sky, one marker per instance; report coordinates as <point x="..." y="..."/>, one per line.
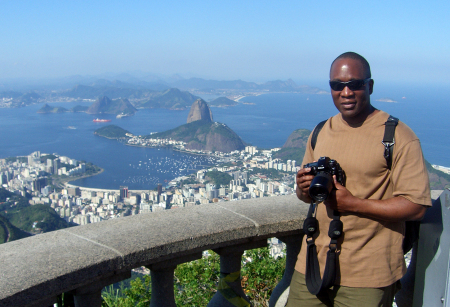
<point x="224" y="40"/>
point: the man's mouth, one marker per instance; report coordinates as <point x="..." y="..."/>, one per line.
<point x="348" y="105"/>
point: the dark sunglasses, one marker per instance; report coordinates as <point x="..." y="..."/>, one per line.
<point x="352" y="85"/>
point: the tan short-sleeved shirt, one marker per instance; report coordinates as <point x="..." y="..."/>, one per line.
<point x="371" y="250"/>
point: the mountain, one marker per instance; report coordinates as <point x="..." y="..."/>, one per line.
<point x="198" y="83"/>
<point x="199" y="111"/>
<point x="105" y="105"/>
<point x="17" y="99"/>
<point x="222" y="102"/>
<point x="79" y="109"/>
<point x="173" y="99"/>
<point x="297" y="139"/>
<point x="294" y="147"/>
<point x="48" y="109"/>
<point x="113" y="89"/>
<point x="204" y="135"/>
<point x="271" y="86"/>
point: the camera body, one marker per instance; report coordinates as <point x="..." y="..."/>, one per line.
<point x="323" y="171"/>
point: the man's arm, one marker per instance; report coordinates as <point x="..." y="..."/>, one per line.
<point x="395" y="209"/>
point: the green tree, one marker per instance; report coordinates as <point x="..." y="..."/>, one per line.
<point x="195" y="282"/>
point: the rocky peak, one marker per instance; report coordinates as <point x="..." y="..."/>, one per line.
<point x="199" y="111"/>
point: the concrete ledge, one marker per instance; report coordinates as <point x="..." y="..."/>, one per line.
<point x="40" y="267"/>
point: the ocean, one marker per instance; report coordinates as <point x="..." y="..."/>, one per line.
<point x="265" y="121"/>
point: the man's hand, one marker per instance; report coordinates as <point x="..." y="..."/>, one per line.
<point x="397" y="209"/>
<point x="303" y="181"/>
<point x="340" y="198"/>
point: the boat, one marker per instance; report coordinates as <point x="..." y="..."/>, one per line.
<point x="122" y="115"/>
<point x="98" y="120"/>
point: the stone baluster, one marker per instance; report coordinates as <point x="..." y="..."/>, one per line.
<point x="91" y="295"/>
<point x="281" y="292"/>
<point x="162" y="280"/>
<point x="230" y="262"/>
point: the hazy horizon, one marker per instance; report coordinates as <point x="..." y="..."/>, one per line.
<point x="223" y="41"/>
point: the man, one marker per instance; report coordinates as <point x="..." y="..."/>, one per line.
<point x="375" y="202"/>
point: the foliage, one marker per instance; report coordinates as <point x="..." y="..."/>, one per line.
<point x="190" y="180"/>
<point x="195" y="282"/>
<point x="261" y="275"/>
<point x="47" y="219"/>
<point x="270" y="173"/>
<point x="44" y="158"/>
<point x="219" y="178"/>
<point x="137" y="295"/>
<point x="10" y="232"/>
<point x="92" y="169"/>
<point x="290" y="153"/>
<point x="112" y="132"/>
<point x="16" y="159"/>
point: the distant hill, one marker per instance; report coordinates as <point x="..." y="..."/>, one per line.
<point x="271" y="86"/>
<point x="114" y="90"/>
<point x="111" y="132"/>
<point x="198" y="83"/>
<point x="48" y="109"/>
<point x="222" y="102"/>
<point x="105" y="105"/>
<point x="173" y="99"/>
<point x="79" y="109"/>
<point x="204" y="135"/>
<point x="20" y="99"/>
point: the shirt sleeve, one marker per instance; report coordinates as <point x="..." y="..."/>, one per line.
<point x="409" y="174"/>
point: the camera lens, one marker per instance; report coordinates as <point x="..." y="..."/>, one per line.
<point x="321" y="186"/>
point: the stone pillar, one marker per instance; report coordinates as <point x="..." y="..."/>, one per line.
<point x="91" y="295"/>
<point x="162" y="280"/>
<point x="230" y="262"/>
<point x="281" y="292"/>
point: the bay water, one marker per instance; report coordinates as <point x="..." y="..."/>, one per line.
<point x="265" y="121"/>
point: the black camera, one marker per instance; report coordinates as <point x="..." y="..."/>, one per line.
<point x="323" y="171"/>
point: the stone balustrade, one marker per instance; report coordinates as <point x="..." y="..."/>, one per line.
<point x="85" y="259"/>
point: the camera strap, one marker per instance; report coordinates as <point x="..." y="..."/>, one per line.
<point x="314" y="282"/>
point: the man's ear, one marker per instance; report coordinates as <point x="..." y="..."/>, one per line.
<point x="371" y="82"/>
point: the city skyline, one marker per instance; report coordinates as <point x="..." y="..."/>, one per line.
<point x="224" y="41"/>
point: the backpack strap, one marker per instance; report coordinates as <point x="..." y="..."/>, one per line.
<point x="388" y="139"/>
<point x="316" y="133"/>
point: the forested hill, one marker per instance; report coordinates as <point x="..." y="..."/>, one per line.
<point x="111" y="132"/>
<point x="204" y="135"/>
<point x="18" y="219"/>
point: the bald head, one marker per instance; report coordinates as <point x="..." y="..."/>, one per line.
<point x="357" y="57"/>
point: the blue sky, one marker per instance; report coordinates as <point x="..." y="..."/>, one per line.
<point x="248" y="40"/>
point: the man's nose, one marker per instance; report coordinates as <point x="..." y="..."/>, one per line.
<point x="346" y="92"/>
